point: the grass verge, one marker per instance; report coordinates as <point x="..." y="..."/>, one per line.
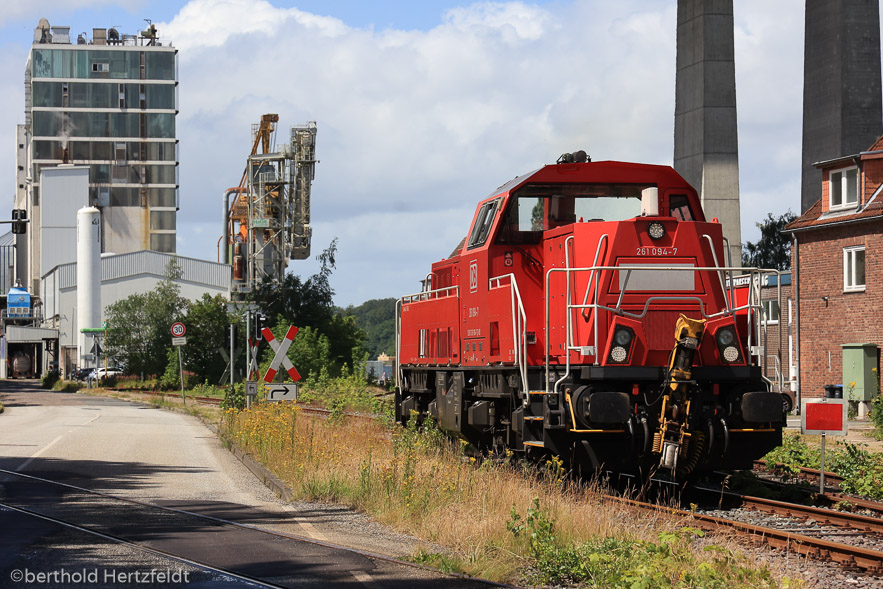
<point x="862" y="470"/>
<point x="498" y="519"/>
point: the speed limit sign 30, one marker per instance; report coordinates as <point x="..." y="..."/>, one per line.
<point x="178" y="329"/>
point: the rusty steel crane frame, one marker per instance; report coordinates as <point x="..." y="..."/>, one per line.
<point x="270" y="210"/>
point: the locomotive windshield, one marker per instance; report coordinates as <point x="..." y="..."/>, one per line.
<point x="538" y="207"/>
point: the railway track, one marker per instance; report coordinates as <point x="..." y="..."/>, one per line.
<point x="213" y="544"/>
<point x="809" y="474"/>
<point x="830" y="499"/>
<point x="868" y="560"/>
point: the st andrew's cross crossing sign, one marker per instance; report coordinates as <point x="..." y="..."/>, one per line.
<point x="281" y="357"/>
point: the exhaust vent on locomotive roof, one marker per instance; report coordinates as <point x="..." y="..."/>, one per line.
<point x="650" y="202"/>
<point x="577" y="157"/>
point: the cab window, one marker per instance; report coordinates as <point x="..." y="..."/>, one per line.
<point x="679" y="207"/>
<point x="483" y="223"/>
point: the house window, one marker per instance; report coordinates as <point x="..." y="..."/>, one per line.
<point x="854" y="269"/>
<point x="770" y="312"/>
<point x="844" y="188"/>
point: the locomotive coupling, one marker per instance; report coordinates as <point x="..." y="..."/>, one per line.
<point x="672" y="439"/>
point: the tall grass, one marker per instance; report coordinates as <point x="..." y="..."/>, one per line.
<point x="422" y="483"/>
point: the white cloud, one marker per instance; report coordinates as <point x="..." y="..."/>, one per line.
<point x="413" y="125"/>
<point x="416" y="126"/>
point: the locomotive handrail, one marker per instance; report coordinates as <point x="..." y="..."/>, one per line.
<point x="420" y="296"/>
<point x="595" y="306"/>
<point x="729" y="263"/>
<point x="595" y="277"/>
<point x="519" y="326"/>
<point x="428" y="294"/>
<point x="399" y="373"/>
<point x="719" y="274"/>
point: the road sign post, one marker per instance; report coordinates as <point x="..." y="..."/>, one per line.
<point x="822" y="417"/>
<point x="178" y="340"/>
<point x="251" y="391"/>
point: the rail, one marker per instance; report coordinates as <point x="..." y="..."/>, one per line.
<point x="519" y="328"/>
<point x="752" y="307"/>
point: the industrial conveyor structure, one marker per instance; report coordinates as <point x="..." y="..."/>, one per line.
<point x="268" y="222"/>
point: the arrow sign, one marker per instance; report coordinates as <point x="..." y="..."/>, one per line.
<point x="281" y="392"/>
<point x="281" y="357"/>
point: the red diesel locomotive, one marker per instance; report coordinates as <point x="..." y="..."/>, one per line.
<point x="589" y="314"/>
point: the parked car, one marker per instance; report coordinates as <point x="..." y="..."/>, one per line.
<point x="788" y="400"/>
<point x="82" y="373"/>
<point x="102" y="373"/>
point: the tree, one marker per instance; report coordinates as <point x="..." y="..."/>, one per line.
<point x="377" y="318"/>
<point x="773" y="249"/>
<point x="208" y="326"/>
<point x="138" y="326"/>
<point x="310" y="303"/>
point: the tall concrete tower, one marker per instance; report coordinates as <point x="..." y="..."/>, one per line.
<point x="842" y="111"/>
<point x="706" y="146"/>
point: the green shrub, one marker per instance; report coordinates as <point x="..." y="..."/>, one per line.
<point x="234" y="399"/>
<point x="68" y="386"/>
<point x="624" y="562"/>
<point x="49" y="379"/>
<point x="861" y="470"/>
<point x="876" y="415"/>
<point x="792" y="454"/>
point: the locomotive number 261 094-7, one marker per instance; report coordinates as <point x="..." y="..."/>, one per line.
<point x="656" y="251"/>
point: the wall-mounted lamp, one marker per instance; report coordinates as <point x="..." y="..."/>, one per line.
<point x="826" y="301"/>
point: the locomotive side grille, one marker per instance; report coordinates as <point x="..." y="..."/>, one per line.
<point x="659" y="327"/>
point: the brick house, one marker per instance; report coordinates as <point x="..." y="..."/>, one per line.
<point x="836" y="255"/>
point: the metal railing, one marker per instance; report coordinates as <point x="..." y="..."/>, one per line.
<point x="519" y="327"/>
<point x="752" y="307"/>
<point x="426" y="295"/>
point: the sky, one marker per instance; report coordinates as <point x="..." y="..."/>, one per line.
<point x="423" y="108"/>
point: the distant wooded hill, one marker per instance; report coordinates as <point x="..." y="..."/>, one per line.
<point x="377" y="318"/>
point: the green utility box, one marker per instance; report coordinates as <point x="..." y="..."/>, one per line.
<point x="860" y="367"/>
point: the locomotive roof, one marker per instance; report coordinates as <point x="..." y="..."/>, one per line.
<point x="604" y="172"/>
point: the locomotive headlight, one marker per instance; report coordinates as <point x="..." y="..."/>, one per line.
<point x="656" y="230"/>
<point x="622" y="340"/>
<point x="727" y="344"/>
<point x="725" y="337"/>
<point x="618" y="354"/>
<point x="731" y="353"/>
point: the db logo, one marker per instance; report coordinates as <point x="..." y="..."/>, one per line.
<point x="473" y="276"/>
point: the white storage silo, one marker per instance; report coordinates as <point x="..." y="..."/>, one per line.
<point x="88" y="279"/>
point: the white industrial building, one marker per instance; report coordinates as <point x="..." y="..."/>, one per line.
<point x="121" y="275"/>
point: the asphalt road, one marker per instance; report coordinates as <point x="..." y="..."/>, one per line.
<point x="162" y="458"/>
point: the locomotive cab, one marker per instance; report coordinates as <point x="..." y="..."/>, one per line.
<point x="557" y="326"/>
